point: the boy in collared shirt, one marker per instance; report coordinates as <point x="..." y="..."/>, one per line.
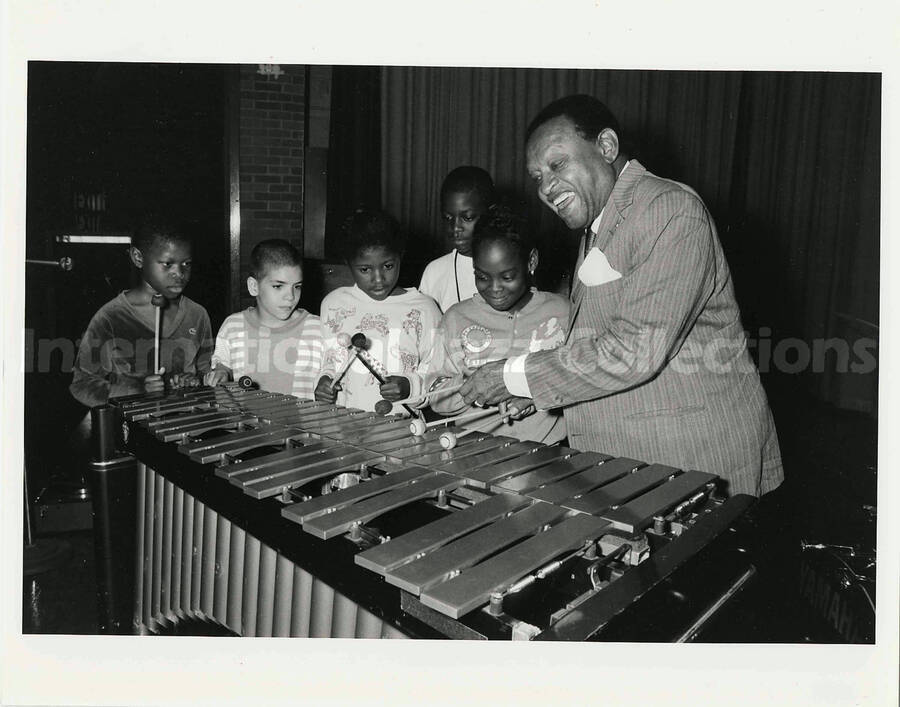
<point x="116" y="353"/>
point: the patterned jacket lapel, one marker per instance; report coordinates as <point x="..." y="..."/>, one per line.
<point x="577" y="285"/>
<point x="621" y="198"/>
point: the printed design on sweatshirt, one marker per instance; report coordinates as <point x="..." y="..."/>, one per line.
<point x="120" y="355"/>
<point x="547" y="335"/>
<point x="334" y="359"/>
<point x="336" y="320"/>
<point x="413" y="323"/>
<point x="409" y="360"/>
<point x="378" y="322"/>
<point x="476" y="338"/>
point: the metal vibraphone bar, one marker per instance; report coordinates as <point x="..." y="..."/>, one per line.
<point x="274" y="516"/>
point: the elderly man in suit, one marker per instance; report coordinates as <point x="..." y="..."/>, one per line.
<point x="656" y="365"/>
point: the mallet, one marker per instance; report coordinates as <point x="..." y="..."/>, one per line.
<point x="360" y="342"/>
<point x="344" y="342"/>
<point x="383" y="407"/>
<point x="246" y="383"/>
<point x="420" y="427"/>
<point x="449" y="438"/>
<point x="158" y="301"/>
<point x="432" y="393"/>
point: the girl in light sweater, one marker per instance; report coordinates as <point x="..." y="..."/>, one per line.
<point x="506" y="317"/>
<point x="399" y="322"/>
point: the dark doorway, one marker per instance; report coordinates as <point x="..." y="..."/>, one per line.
<point x="106" y="143"/>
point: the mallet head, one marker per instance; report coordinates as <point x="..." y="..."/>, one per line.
<point x="360" y="341"/>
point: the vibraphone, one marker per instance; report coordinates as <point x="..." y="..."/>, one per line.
<point x="274" y="516"/>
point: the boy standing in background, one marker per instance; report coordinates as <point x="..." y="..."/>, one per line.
<point x="466" y="194"/>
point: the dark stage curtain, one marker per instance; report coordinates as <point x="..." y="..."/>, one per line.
<point x="805" y="207"/>
<point x="435" y="119"/>
<point x="788" y="164"/>
<point x="354" y="154"/>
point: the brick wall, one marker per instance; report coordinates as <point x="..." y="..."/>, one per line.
<point x="271" y="160"/>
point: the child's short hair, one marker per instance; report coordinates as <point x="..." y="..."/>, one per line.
<point x="502" y="224"/>
<point x="371" y="228"/>
<point x="469" y="180"/>
<point x="272" y="253"/>
<point x="156" y="228"/>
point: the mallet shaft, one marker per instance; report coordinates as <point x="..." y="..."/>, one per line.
<point x="156" y="346"/>
<point x="158" y="302"/>
<point x="346" y="368"/>
<point x="373" y="366"/>
<point x="431" y="393"/>
<point x="470" y="416"/>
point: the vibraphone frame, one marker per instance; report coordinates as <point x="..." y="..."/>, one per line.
<point x="207" y="550"/>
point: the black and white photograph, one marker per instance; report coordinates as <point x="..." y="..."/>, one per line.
<point x="568" y="368"/>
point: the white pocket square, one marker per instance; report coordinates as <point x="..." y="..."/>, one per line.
<point x="596" y="270"/>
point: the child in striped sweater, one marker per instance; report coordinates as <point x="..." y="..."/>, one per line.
<point x="276" y="343"/>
